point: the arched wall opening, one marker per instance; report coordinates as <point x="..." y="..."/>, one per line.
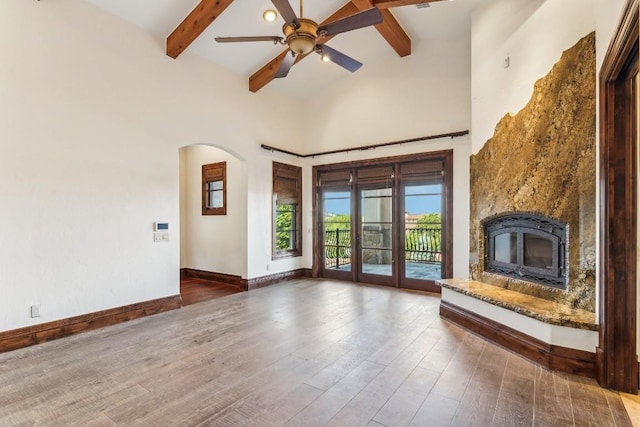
<point x="213" y="243"/>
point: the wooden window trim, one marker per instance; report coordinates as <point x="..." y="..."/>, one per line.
<point x="214" y="172"/>
<point x="292" y="173"/>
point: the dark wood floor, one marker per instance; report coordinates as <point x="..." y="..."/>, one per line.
<point x="194" y="290"/>
<point x="302" y="353"/>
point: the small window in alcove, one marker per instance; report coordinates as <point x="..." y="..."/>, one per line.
<point x="214" y="189"/>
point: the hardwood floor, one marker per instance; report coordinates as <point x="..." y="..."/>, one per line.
<point x="194" y="290"/>
<point x="305" y="352"/>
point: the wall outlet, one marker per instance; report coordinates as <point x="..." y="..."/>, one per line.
<point x="35" y="310"/>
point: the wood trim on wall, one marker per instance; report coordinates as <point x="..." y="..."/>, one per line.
<point x="617" y="362"/>
<point x="246" y="284"/>
<point x="37" y="334"/>
<point x="553" y="357"/>
<point x="271" y="279"/>
<point x="229" y="279"/>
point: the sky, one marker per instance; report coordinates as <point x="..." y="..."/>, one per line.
<point x="419" y="200"/>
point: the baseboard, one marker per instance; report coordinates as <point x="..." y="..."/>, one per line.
<point x="245" y="284"/>
<point x="229" y="279"/>
<point x="37" y="334"/>
<point x="553" y="357"/>
<point x="261" y="282"/>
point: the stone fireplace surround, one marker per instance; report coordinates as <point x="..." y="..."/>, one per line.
<point x="540" y="161"/>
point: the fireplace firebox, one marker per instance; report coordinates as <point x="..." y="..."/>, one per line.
<point x="526" y="247"/>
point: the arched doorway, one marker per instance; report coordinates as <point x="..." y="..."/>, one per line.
<point x="213" y="241"/>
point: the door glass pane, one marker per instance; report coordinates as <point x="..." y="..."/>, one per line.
<point x="376" y="208"/>
<point x="337" y="230"/>
<point x="538" y="251"/>
<point x="505" y="248"/>
<point x="423" y="231"/>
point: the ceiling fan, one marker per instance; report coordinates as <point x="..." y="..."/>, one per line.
<point x="301" y="36"/>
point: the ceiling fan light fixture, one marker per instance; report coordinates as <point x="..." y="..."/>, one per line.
<point x="269" y="15"/>
<point x="325" y="57"/>
<point x="301" y="39"/>
<point x="301" y="45"/>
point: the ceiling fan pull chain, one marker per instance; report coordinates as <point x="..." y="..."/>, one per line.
<point x="301" y="15"/>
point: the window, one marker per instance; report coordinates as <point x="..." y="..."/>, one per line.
<point x="287" y="206"/>
<point x="214" y="189"/>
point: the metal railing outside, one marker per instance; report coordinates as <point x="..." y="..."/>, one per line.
<point x="422" y="245"/>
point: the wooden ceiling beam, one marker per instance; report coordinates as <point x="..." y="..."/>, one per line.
<point x="390" y="29"/>
<point x="194" y="24"/>
<point x="266" y="74"/>
<point x="386" y="4"/>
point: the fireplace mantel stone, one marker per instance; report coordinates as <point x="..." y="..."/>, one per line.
<point x="537" y="308"/>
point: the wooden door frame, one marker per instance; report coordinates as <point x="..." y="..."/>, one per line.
<point x="616" y="358"/>
<point x="447" y="188"/>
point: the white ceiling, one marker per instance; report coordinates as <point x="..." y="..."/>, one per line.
<point x="442" y="20"/>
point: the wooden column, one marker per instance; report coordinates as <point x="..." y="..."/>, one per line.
<point x="617" y="362"/>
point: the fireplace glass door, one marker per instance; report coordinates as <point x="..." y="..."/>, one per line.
<point x="526" y="247"/>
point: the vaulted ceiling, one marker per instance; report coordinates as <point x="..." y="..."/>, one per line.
<point x="192" y="25"/>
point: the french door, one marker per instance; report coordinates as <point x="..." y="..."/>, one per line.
<point x="386" y="223"/>
<point x="375" y="236"/>
<point x="420" y="232"/>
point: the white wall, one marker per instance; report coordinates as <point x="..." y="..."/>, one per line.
<point x="92" y="114"/>
<point x="428" y="94"/>
<point x="259" y="222"/>
<point x="213" y="242"/>
<point x="533" y="34"/>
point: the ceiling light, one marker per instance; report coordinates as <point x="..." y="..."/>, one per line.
<point x="301" y="39"/>
<point x="301" y="44"/>
<point x="325" y="58"/>
<point x="269" y="15"/>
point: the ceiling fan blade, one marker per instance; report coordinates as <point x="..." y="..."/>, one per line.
<point x="359" y="20"/>
<point x="285" y="66"/>
<point x="339" y="58"/>
<point x="286" y="11"/>
<point x="274" y="39"/>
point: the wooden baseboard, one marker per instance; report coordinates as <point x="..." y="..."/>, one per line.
<point x="261" y="282"/>
<point x="245" y="284"/>
<point x="37" y="334"/>
<point x="553" y="357"/>
<point x="229" y="279"/>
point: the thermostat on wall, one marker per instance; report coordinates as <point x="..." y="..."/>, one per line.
<point x="160" y="226"/>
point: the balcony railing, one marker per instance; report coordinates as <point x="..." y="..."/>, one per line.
<point x="421" y="245"/>
<point x="337" y="248"/>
